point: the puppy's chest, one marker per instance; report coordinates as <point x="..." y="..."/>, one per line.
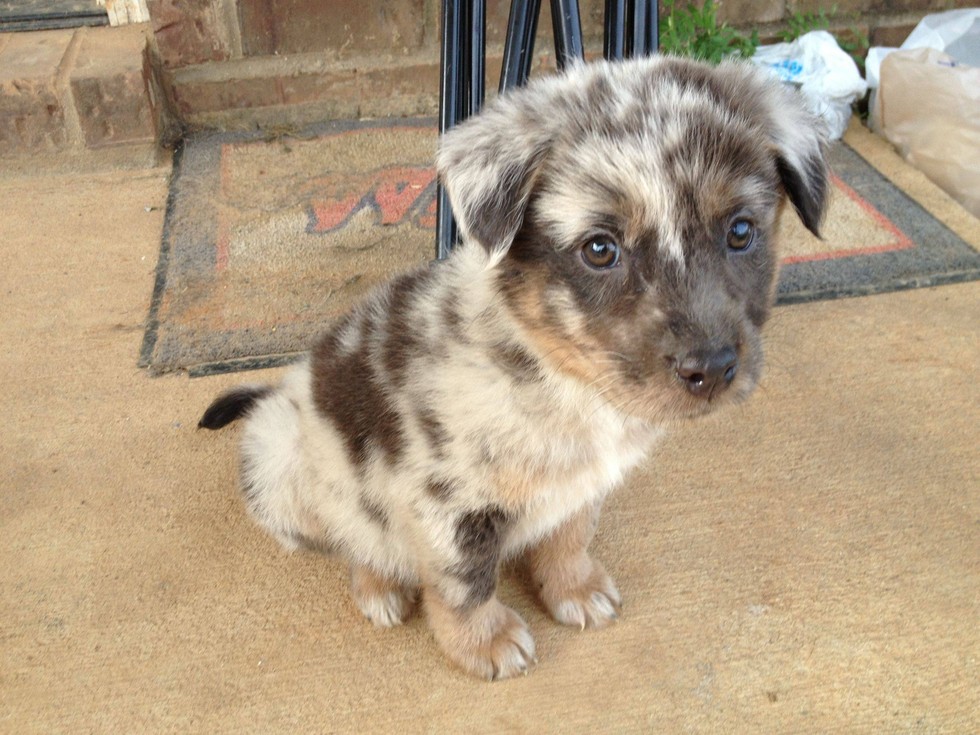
<point x="544" y="466"/>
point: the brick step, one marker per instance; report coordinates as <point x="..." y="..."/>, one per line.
<point x="81" y="92"/>
<point x="282" y="93"/>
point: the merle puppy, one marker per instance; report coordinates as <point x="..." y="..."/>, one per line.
<point x="617" y="265"/>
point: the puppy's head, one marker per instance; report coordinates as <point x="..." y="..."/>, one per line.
<point x="630" y="210"/>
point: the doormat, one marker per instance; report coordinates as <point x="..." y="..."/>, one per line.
<point x="268" y="239"/>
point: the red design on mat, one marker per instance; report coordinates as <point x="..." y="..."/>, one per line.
<point x="330" y="214"/>
<point x="392" y="193"/>
<point x="427" y="219"/>
<point x="901" y="241"/>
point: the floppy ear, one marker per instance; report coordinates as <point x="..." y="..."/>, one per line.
<point x="488" y="165"/>
<point x="805" y="182"/>
<point x="800" y="149"/>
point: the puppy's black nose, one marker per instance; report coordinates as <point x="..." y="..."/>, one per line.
<point x="707" y="373"/>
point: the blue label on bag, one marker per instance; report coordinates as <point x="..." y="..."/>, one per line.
<point x="787" y="69"/>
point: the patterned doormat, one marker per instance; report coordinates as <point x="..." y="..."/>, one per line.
<point x="267" y="240"/>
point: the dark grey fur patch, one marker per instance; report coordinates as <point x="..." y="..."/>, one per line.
<point x="374" y="511"/>
<point x="434" y="430"/>
<point x="439" y="489"/>
<point x="402" y="342"/>
<point x="453" y="319"/>
<point x="319" y="546"/>
<point x="479" y="538"/>
<point x="517" y="362"/>
<point x="348" y="390"/>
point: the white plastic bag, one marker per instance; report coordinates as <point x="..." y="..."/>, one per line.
<point x="827" y="76"/>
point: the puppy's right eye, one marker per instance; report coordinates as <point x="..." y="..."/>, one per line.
<point x="601" y="253"/>
<point x="741" y="234"/>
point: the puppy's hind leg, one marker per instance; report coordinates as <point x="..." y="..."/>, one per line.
<point x="574" y="587"/>
<point x="274" y="476"/>
<point x="270" y="462"/>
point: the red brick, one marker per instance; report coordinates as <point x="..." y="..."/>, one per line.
<point x="299" y="26"/>
<point x="108" y="87"/>
<point x="31" y="113"/>
<point x="411" y="91"/>
<point x="747" y="13"/>
<point x="591" y="15"/>
<point x="356" y="26"/>
<point x="204" y="95"/>
<point x="923" y="6"/>
<point x="891" y="35"/>
<point x="842" y="8"/>
<point x="190" y="31"/>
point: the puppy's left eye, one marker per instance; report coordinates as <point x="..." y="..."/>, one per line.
<point x="741" y="233"/>
<point x="601" y="253"/>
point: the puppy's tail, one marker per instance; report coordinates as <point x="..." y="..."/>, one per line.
<point x="232" y="405"/>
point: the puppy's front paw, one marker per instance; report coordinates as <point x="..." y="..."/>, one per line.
<point x="490" y="641"/>
<point x="385" y="602"/>
<point x="593" y="602"/>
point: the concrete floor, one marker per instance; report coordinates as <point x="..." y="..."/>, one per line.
<point x="807" y="563"/>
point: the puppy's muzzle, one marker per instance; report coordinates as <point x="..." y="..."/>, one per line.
<point x="706" y="373"/>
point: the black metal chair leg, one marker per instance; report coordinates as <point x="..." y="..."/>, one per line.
<point x="522" y="25"/>
<point x="461" y="94"/>
<point x="631" y="28"/>
<point x="476" y="73"/>
<point x="449" y="108"/>
<point x="638" y="29"/>
<point x="567" y="26"/>
<point x="653" y="28"/>
<point x="614" y="37"/>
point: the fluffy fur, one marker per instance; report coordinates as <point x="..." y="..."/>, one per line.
<point x="483" y="407"/>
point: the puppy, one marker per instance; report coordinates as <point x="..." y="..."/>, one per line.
<point x="617" y="264"/>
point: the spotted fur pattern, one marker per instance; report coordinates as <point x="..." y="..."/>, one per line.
<point x="484" y="406"/>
